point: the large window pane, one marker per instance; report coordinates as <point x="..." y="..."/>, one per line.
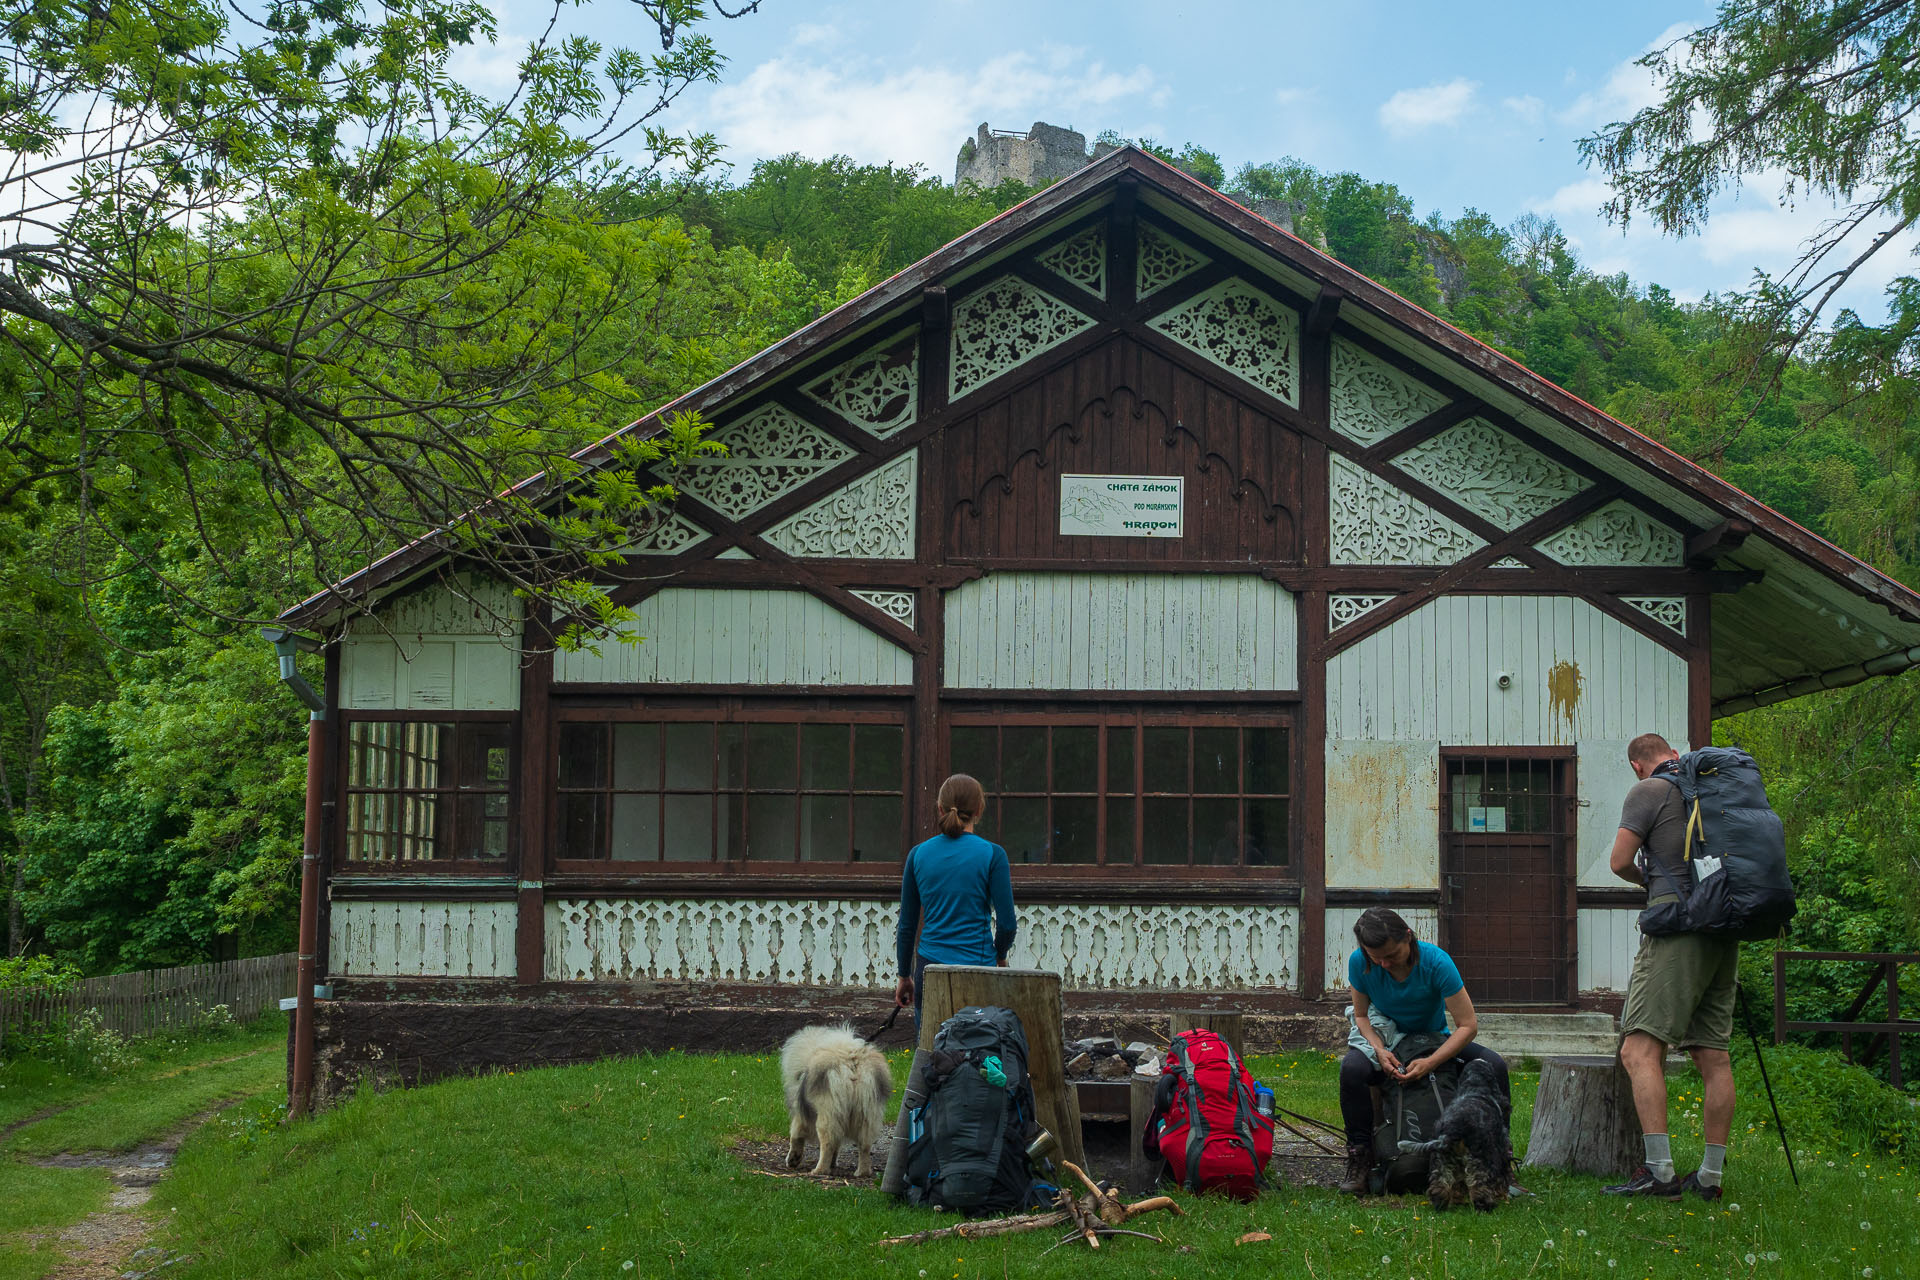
<point x="876" y="829"/>
<point x="1076" y="758"/>
<point x="731" y="751"/>
<point x="824" y="760"/>
<point x="1164" y="760"/>
<point x="428" y="790"/>
<point x="1120" y="760"/>
<point x="770" y="827"/>
<point x="1164" y="832"/>
<point x="1217" y="839"/>
<point x="636" y="757"/>
<point x="689" y="829"/>
<point x="771" y="760"/>
<point x="1267" y="772"/>
<point x="636" y="828"/>
<point x="581" y="824"/>
<point x="1216" y="762"/>
<point x="1075" y="836"/>
<point x="826" y="828"/>
<point x="483" y="826"/>
<point x="1023" y="830"/>
<point x="975" y="751"/>
<point x="688" y="750"/>
<point x="879" y="757"/>
<point x="1023" y="757"/>
<point x="1267" y="835"/>
<point x="583" y="755"/>
<point x="1120" y="832"/>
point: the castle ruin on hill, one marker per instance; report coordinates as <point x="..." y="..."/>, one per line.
<point x="1047" y="153"/>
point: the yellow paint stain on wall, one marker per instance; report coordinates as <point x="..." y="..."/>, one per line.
<point x="1563" y="689"/>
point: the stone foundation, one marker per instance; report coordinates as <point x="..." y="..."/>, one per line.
<point x="396" y="1041"/>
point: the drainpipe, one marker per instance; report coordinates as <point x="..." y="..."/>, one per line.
<point x="285" y="645"/>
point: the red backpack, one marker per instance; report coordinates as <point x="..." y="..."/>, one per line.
<point x="1205" y="1124"/>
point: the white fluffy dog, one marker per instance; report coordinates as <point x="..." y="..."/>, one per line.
<point x="837" y="1088"/>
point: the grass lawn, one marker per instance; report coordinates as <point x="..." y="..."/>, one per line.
<point x="175" y="1079"/>
<point x="625" y="1168"/>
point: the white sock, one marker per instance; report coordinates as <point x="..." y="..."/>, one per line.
<point x="1710" y="1166"/>
<point x="1659" y="1156"/>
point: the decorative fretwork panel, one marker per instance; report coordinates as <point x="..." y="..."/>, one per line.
<point x="1162" y="260"/>
<point x="1342" y="609"/>
<point x="878" y="390"/>
<point x="1151" y="946"/>
<point x="421" y="939"/>
<point x="897" y="605"/>
<point x="1370" y="399"/>
<point x="1375" y="523"/>
<point x="1003" y="326"/>
<point x="664" y="533"/>
<point x="1491" y="473"/>
<point x="869" y="519"/>
<point x="770" y="452"/>
<point x="1244" y="331"/>
<point x="1617" y="534"/>
<point x="1508" y="562"/>
<point x="1668" y="611"/>
<point x="1083" y="260"/>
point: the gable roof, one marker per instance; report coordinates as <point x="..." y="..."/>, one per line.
<point x="1817" y="617"/>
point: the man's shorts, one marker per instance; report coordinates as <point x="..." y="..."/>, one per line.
<point x="1681" y="992"/>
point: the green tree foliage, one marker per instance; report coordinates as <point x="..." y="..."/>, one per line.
<point x="845" y="226"/>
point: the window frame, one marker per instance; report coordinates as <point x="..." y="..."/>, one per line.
<point x="1142" y="716"/>
<point x="503" y="866"/>
<point x="743" y="710"/>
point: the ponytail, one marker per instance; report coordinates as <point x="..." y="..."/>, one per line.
<point x="962" y="800"/>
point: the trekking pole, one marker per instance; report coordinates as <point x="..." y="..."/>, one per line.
<point x="1746" y="1016"/>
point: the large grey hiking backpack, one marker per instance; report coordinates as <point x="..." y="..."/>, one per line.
<point x="967" y="1143"/>
<point x="1736" y="883"/>
<point x="1411" y="1113"/>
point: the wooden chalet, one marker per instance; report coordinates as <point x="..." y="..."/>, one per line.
<point x="1253" y="593"/>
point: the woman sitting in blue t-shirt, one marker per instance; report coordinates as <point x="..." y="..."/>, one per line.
<point x="1417" y="985"/>
<point x="952" y="887"/>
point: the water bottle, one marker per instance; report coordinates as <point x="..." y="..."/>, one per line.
<point x="1263" y="1099"/>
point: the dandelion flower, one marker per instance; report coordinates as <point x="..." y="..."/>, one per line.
<point x="1750" y="1259"/>
<point x="1612" y="1263"/>
<point x="1581" y="1232"/>
<point x="1865" y="1225"/>
<point x="1385" y="1258"/>
<point x="1547" y="1243"/>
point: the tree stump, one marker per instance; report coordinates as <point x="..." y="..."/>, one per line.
<point x="1225" y="1023"/>
<point x="1142" y="1173"/>
<point x="1583" y="1118"/>
<point x="1034" y="994"/>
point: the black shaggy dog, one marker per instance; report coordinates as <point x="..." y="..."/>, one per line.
<point x="1472" y="1158"/>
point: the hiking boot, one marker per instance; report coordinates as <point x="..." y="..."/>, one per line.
<point x="1359" y="1167"/>
<point x="1692" y="1183"/>
<point x="1643" y="1183"/>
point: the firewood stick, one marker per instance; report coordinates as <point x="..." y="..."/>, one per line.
<point x="990" y="1227"/>
<point x="1112" y="1212"/>
<point x="1148" y="1205"/>
<point x="1080" y="1220"/>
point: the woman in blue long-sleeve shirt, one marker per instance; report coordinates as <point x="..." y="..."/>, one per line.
<point x="947" y="888"/>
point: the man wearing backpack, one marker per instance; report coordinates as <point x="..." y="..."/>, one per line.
<point x="1681" y="993"/>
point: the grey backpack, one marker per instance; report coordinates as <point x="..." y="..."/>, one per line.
<point x="967" y="1143"/>
<point x="1411" y="1113"/>
<point x="1736" y="883"/>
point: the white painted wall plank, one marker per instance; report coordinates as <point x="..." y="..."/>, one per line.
<point x="421" y="939"/>
<point x="1120" y="632"/>
<point x="726" y="636"/>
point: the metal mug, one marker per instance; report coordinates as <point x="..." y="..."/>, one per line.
<point x="1043" y="1147"/>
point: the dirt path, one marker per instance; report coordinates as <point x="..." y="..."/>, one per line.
<point x="113" y="1243"/>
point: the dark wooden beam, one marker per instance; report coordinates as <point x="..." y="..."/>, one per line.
<point x="1704" y="548"/>
<point x="1324" y="311"/>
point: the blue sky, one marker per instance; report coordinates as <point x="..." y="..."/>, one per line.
<point x="1460" y="105"/>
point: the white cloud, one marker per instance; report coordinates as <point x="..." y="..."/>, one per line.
<point x="1437" y="105"/>
<point x="1629" y="87"/>
<point x="903" y="115"/>
<point x="1292" y="96"/>
<point x="1575" y="200"/>
<point x="1527" y="109"/>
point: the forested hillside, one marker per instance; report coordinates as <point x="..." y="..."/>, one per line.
<point x="153" y="768"/>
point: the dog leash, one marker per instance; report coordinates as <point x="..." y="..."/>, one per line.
<point x="885" y="1026"/>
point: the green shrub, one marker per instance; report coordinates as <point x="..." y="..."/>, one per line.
<point x="1826" y="1101"/>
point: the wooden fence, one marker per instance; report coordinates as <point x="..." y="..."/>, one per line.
<point x="136" y="1004"/>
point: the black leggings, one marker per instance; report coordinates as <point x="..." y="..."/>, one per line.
<point x="1358" y="1075"/>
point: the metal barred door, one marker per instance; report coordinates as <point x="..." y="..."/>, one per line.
<point x="1507" y="875"/>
